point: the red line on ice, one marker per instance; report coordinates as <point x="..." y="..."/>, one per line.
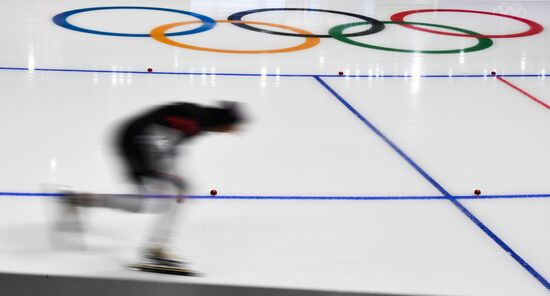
<point x="524" y="92"/>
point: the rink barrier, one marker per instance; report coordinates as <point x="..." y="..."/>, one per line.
<point x="55" y="285"/>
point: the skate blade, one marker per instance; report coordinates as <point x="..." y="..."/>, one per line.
<point x="163" y="269"/>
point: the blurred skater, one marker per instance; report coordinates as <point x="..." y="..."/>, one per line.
<point x="148" y="145"/>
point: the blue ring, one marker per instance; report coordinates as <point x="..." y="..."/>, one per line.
<point x="61" y="20"/>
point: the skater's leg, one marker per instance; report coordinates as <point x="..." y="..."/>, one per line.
<point x="157" y="192"/>
<point x="162" y="231"/>
<point x="134" y="203"/>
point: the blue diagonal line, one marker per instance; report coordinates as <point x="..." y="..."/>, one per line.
<point x="501" y="243"/>
<point x="463" y="209"/>
<point x="384" y="138"/>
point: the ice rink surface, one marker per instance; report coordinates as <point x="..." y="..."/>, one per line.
<point x="356" y="182"/>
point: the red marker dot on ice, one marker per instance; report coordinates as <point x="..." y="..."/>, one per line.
<point x="213" y="192"/>
<point x="340" y="73"/>
<point x="149" y="69"/>
<point x="477" y="192"/>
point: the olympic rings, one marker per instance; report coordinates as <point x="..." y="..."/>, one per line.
<point x="61" y="20"/>
<point x="534" y="28"/>
<point x="159" y="35"/>
<point x="312" y="40"/>
<point x="483" y="43"/>
<point x="376" y="26"/>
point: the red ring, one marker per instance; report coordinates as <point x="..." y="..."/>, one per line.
<point x="534" y="28"/>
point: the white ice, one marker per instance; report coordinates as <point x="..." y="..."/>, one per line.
<point x="465" y="133"/>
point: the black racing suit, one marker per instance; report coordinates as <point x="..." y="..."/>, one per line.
<point x="148" y="142"/>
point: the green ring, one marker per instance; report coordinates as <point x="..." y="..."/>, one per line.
<point x="337" y="33"/>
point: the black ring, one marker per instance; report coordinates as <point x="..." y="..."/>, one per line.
<point x="376" y="25"/>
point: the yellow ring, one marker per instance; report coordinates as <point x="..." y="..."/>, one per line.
<point x="159" y="34"/>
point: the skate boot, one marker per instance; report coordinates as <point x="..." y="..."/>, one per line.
<point x="156" y="260"/>
<point x="158" y="256"/>
<point x="67" y="227"/>
<point x="68" y="214"/>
